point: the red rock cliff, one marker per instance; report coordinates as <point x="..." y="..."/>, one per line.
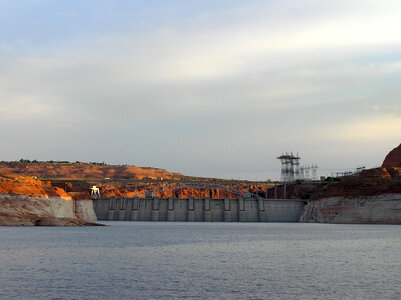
<point x="25" y="201"/>
<point x="24" y="185"/>
<point x="393" y="159"/>
<point x="374" y="196"/>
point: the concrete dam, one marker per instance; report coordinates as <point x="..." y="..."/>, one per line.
<point x="243" y="209"/>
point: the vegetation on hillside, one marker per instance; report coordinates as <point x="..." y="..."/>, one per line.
<point x="58" y="162"/>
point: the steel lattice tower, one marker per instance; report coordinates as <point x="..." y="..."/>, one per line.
<point x="289" y="167"/>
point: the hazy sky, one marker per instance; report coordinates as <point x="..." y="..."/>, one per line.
<point x="207" y="88"/>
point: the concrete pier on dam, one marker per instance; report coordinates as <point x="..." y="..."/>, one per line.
<point x="243" y="209"/>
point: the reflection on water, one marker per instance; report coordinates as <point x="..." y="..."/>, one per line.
<point x="144" y="260"/>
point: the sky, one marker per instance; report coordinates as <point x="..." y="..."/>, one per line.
<point x="204" y="88"/>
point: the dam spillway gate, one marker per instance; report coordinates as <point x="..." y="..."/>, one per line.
<point x="247" y="208"/>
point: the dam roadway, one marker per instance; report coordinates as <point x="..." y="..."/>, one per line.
<point x="247" y="208"/>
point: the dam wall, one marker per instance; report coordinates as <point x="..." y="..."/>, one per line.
<point x="199" y="210"/>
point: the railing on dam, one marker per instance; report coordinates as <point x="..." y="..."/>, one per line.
<point x="243" y="209"/>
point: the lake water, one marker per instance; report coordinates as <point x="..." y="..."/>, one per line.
<point x="157" y="260"/>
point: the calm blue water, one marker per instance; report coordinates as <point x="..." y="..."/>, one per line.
<point x="142" y="260"/>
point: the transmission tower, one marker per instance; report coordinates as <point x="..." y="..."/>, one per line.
<point x="314" y="172"/>
<point x="289" y="167"/>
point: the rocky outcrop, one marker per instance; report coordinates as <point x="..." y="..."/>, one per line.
<point x="372" y="197"/>
<point x="356" y="187"/>
<point x="22" y="210"/>
<point x="393" y="159"/>
<point x="375" y="173"/>
<point x="25" y="201"/>
<point x="25" y="185"/>
<point x="381" y="209"/>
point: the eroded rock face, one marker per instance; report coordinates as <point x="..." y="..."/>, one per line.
<point x="393" y="159"/>
<point x="373" y="197"/>
<point x="382" y="209"/>
<point x="25" y="185"/>
<point x="22" y="210"/>
<point x="25" y="201"/>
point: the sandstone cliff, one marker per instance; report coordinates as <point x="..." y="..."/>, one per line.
<point x="25" y="201"/>
<point x="374" y="196"/>
<point x="393" y="159"/>
<point x="382" y="209"/>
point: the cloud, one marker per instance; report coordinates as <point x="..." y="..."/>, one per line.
<point x="217" y="92"/>
<point x="388" y="110"/>
<point x="375" y="130"/>
<point x="25" y="107"/>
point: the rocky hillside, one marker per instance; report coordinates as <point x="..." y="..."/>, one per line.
<point x="374" y="196"/>
<point x="77" y="179"/>
<point x="84" y="171"/>
<point x="25" y="201"/>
